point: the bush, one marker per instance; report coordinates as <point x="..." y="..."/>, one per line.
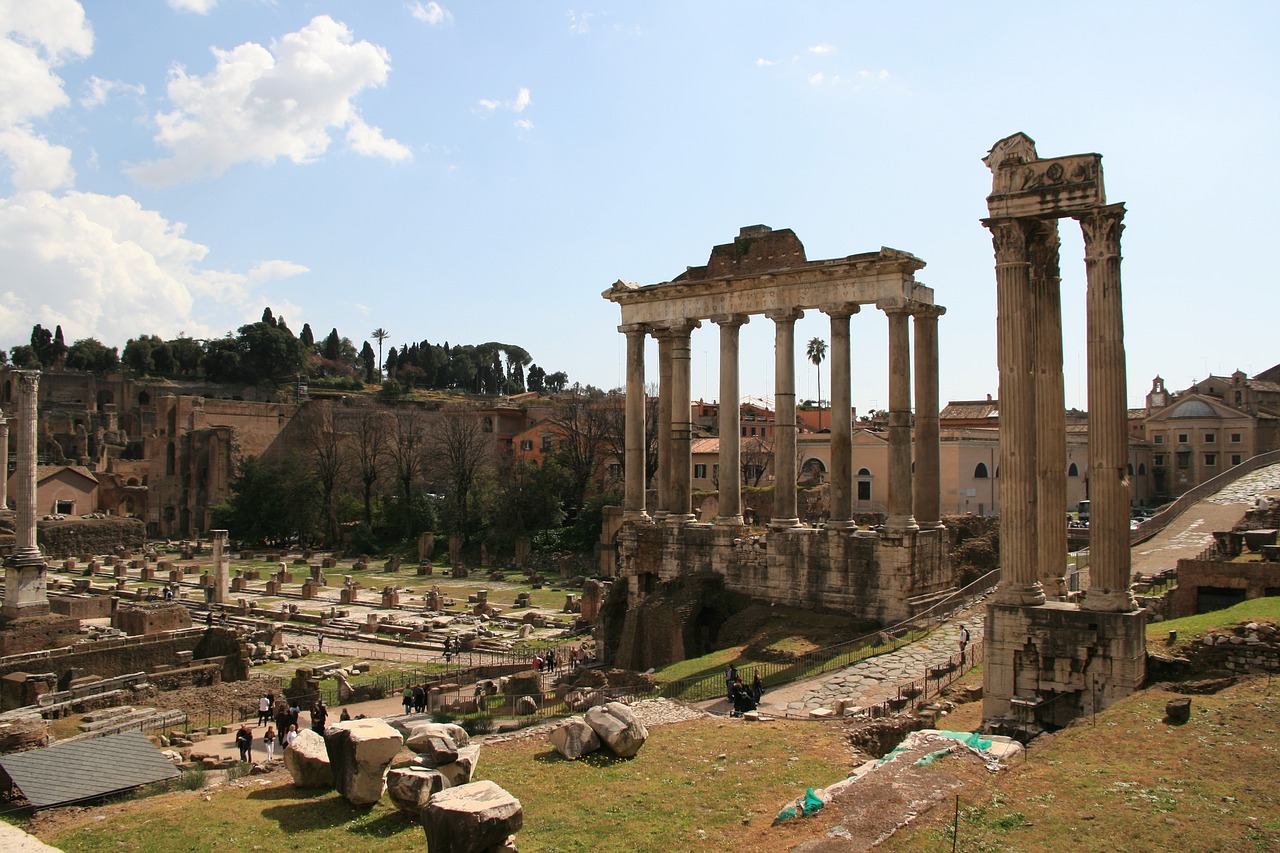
<point x="193" y="779"/>
<point x="238" y="770"/>
<point x="479" y="724"/>
<point x="443" y="715"/>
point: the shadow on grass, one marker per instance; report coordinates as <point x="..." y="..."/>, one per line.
<point x="315" y="814"/>
<point x="600" y="758"/>
<point x="386" y="826"/>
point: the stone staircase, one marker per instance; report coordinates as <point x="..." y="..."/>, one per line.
<point x="126" y="718"/>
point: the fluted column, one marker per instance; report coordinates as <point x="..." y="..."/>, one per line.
<point x="1050" y="415"/>
<point x="730" y="483"/>
<point x="221" y="567"/>
<point x="25" y="591"/>
<point x="4" y="455"/>
<point x="785" y="514"/>
<point x="634" y="455"/>
<point x="841" y="418"/>
<point x="664" y="424"/>
<point x="900" y="519"/>
<point x="681" y="509"/>
<point x="1108" y="413"/>
<point x="1015" y="355"/>
<point x="927" y="486"/>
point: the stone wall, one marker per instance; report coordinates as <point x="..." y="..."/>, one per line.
<point x="74" y="536"/>
<point x="80" y="606"/>
<point x="151" y="618"/>
<point x="1256" y="579"/>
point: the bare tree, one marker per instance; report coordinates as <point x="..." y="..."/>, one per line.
<point x="406" y="450"/>
<point x="615" y="434"/>
<point x="583" y="423"/>
<point x="460" y="449"/>
<point x="367" y="450"/>
<point x="325" y="458"/>
<point x="756" y="458"/>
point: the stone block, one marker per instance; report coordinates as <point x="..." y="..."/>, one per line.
<point x="471" y="818"/>
<point x="574" y="738"/>
<point x="459" y="772"/>
<point x="360" y="751"/>
<point x="410" y="788"/>
<point x="618" y="728"/>
<point x="307" y="761"/>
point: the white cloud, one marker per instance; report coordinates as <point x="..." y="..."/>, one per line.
<point x="97" y="90"/>
<point x="38" y="37"/>
<point x="822" y="48"/>
<point x="580" y="22"/>
<point x="261" y="104"/>
<point x="817" y="78"/>
<point x="200" y="7"/>
<point x="488" y="106"/>
<point x="523" y="124"/>
<point x="765" y="63"/>
<point x="521" y="101"/>
<point x="104" y="267"/>
<point x="430" y="13"/>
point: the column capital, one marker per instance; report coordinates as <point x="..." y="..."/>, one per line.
<point x="1101" y="227"/>
<point x="679" y="328"/>
<point x="635" y="328"/>
<point x="730" y="319"/>
<point x="844" y="309"/>
<point x="897" y="305"/>
<point x="784" y="315"/>
<point x="28" y="379"/>
<point x="1009" y="237"/>
<point x="923" y="311"/>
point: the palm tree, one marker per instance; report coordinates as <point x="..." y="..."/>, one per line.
<point x="816" y="352"/>
<point x="380" y="334"/>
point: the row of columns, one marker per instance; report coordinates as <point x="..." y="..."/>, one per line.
<point x="908" y="510"/>
<point x="1032" y="410"/>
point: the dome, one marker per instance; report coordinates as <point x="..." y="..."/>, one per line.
<point x="1193" y="409"/>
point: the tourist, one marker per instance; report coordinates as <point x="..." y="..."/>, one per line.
<point x="757" y="687"/>
<point x="294" y="713"/>
<point x="244" y="741"/>
<point x="346" y="716"/>
<point x="319" y="713"/>
<point x="408" y="697"/>
<point x="320" y="644"/>
<point x="290" y="736"/>
<point x="741" y="698"/>
<point x="964" y="641"/>
<point x="730" y="676"/>
<point x="269" y="741"/>
<point x="264" y="709"/>
<point x="420" y="698"/>
<point x="481" y="699"/>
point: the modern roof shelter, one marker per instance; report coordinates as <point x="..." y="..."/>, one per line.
<point x="85" y="769"/>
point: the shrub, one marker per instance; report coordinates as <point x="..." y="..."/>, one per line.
<point x="479" y="724"/>
<point x="193" y="779"/>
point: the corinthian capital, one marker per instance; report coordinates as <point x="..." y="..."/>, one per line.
<point x="1102" y="227"/>
<point x="1009" y="237"/>
<point x="28" y="380"/>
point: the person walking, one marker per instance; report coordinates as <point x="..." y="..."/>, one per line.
<point x="290" y="736"/>
<point x="318" y="715"/>
<point x="408" y="697"/>
<point x="264" y="709"/>
<point x="244" y="742"/>
<point x="964" y="641"/>
<point x="269" y="741"/>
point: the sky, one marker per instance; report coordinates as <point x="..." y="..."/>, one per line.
<point x="482" y="171"/>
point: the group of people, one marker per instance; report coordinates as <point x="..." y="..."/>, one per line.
<point x="742" y="697"/>
<point x="415" y="698"/>
<point x="553" y="661"/>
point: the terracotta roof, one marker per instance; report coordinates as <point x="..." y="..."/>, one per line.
<point x="970" y="409"/>
<point x="44" y="472"/>
<point x="705" y="445"/>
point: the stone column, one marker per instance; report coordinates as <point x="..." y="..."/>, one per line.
<point x="841" y="419"/>
<point x="634" y="456"/>
<point x="900" y="519"/>
<point x="664" y="424"/>
<point x="24" y="579"/>
<point x="1108" y="415"/>
<point x="927" y="488"/>
<point x="221" y="575"/>
<point x="681" y="509"/>
<point x="1015" y="355"/>
<point x="4" y="456"/>
<point x="785" y="514"/>
<point x="730" y="420"/>
<point x="1050" y="412"/>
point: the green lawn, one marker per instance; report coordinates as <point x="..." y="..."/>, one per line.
<point x="1195" y="627"/>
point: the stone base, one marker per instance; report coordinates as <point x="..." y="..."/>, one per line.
<point x="1047" y="665"/>
<point x="34" y="633"/>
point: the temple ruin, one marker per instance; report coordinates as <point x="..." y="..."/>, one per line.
<point x="666" y="558"/>
<point x="1049" y="660"/>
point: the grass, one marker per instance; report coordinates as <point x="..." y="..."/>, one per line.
<point x="1192" y="628"/>
<point x="708" y="785"/>
<point x="1130" y="782"/>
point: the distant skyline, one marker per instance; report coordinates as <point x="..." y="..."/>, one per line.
<point x="482" y="171"/>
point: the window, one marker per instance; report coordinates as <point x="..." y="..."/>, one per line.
<point x="1182" y="438"/>
<point x="526" y="444"/>
<point x="1210" y="438"/>
<point x="1236" y="458"/>
<point x="980" y="473"/>
<point x="1236" y="438"/>
<point x="546" y="443"/>
<point x="1210" y="460"/>
<point x="1159" y="438"/>
<point x="615" y="471"/>
<point x="753" y="430"/>
<point x="1183" y="458"/>
<point x="700" y="472"/>
<point x="1130" y="471"/>
<point x="66" y="507"/>
<point x="487" y="424"/>
<point x="864" y="484"/>
<point x="715" y="473"/>
<point x="744" y="432"/>
<point x="1142" y="469"/>
<point x="1239" y="397"/>
<point x="1073" y="470"/>
<point x="1158" y="459"/>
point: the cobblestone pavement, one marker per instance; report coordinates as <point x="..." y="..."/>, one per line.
<point x="1248" y="487"/>
<point x="651" y="712"/>
<point x="875" y="679"/>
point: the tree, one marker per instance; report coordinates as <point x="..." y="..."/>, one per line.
<point x="756" y="456"/>
<point x="460" y="450"/>
<point x="615" y="434"/>
<point x="307" y="337"/>
<point x="91" y="355"/>
<point x="139" y="354"/>
<point x="332" y="346"/>
<point x="406" y="452"/>
<point x="367" y="362"/>
<point x="583" y="422"/>
<point x="380" y="334"/>
<point x="366" y="450"/>
<point x="816" y="352"/>
<point x="324" y="459"/>
<point x="269" y="503"/>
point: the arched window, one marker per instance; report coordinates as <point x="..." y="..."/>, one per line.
<point x="1073" y="470"/>
<point x="144" y="399"/>
<point x="1142" y="469"/>
<point x="170" y="459"/>
<point x="980" y="473"/>
<point x="1130" y="469"/>
<point x="864" y="484"/>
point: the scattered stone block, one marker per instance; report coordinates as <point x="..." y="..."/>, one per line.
<point x="574" y="738"/>
<point x="410" y="788"/>
<point x="471" y="818"/>
<point x="618" y="728"/>
<point x="459" y="772"/>
<point x="307" y="761"/>
<point x="360" y="751"/>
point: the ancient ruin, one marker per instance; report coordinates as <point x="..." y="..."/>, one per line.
<point x="883" y="574"/>
<point x="1049" y="660"/>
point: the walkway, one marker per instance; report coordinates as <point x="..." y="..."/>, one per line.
<point x="1191" y="532"/>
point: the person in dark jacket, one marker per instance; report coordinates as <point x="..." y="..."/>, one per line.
<point x="244" y="742"/>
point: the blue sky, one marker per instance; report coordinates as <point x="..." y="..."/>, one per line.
<point x="482" y="171"/>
